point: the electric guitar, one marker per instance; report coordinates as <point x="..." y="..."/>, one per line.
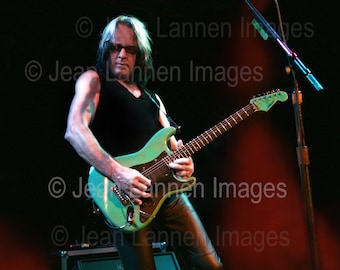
<point x="152" y="161"/>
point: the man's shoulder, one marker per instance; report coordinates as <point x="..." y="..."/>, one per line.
<point x="89" y="75"/>
<point x="89" y="81"/>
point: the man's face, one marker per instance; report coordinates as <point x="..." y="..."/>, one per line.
<point x="123" y="53"/>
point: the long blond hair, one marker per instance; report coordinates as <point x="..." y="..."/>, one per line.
<point x="144" y="64"/>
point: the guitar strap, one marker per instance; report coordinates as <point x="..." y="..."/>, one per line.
<point x="171" y="121"/>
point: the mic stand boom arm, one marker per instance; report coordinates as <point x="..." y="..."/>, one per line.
<point x="290" y="54"/>
<point x="302" y="149"/>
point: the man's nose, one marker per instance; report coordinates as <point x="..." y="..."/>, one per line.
<point x="122" y="53"/>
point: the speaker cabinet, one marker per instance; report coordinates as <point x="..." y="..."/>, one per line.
<point x="163" y="261"/>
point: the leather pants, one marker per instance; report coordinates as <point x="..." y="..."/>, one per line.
<point x="177" y="224"/>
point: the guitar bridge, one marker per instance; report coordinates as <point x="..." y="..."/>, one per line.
<point x="121" y="195"/>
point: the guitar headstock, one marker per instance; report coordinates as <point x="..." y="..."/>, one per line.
<point x="265" y="101"/>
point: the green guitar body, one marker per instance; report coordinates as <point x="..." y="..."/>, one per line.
<point x="115" y="205"/>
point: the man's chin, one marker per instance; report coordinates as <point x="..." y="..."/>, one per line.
<point x="121" y="75"/>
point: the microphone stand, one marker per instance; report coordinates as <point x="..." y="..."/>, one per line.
<point x="301" y="149"/>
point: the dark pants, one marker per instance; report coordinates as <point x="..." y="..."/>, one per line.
<point x="179" y="226"/>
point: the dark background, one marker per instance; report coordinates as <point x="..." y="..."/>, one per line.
<point x="36" y="223"/>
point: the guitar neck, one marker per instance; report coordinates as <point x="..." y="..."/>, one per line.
<point x="211" y="134"/>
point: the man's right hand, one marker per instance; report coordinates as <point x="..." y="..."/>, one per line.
<point x="132" y="182"/>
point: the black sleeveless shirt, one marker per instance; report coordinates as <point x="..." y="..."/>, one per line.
<point x="123" y="123"/>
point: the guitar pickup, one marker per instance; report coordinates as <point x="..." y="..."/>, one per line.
<point x="121" y="195"/>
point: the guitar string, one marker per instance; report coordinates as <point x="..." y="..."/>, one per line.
<point x="204" y="138"/>
<point x="251" y="108"/>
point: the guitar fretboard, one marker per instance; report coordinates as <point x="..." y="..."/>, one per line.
<point x="261" y="103"/>
<point x="210" y="135"/>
